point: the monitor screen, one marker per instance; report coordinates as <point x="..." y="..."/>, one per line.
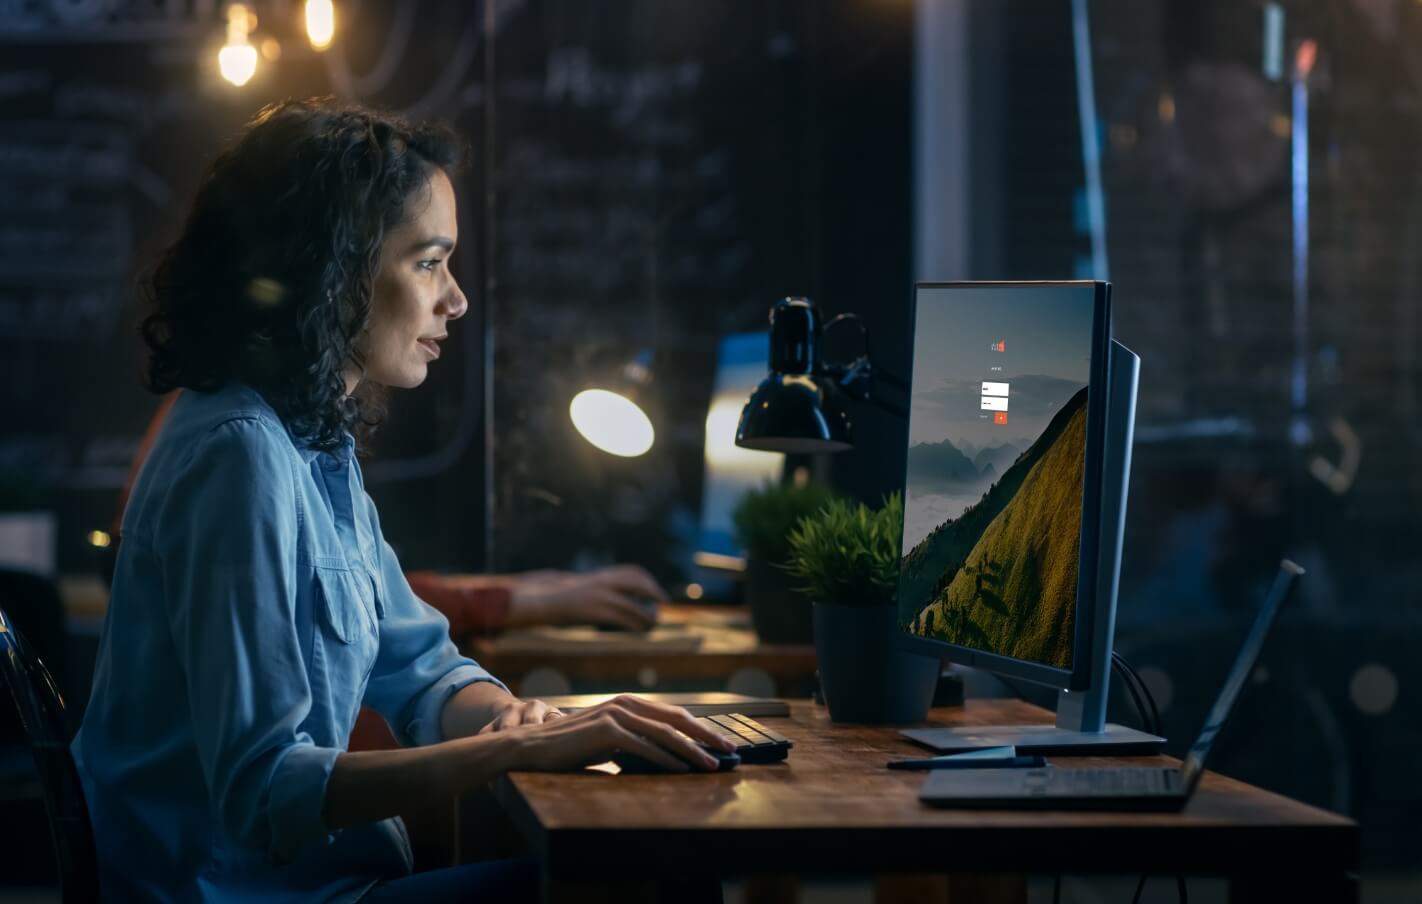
<point x="997" y="461"/>
<point x="731" y="471"/>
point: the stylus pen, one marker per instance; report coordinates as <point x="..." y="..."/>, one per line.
<point x="1009" y="762"/>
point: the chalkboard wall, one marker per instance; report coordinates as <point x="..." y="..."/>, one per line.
<point x="645" y="177"/>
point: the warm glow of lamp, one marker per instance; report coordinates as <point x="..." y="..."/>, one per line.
<point x="237" y="60"/>
<point x="320" y="23"/>
<point x="99" y="539"/>
<point x="721" y="448"/>
<point x="612" y="422"/>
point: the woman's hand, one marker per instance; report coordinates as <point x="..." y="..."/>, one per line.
<point x="665" y="735"/>
<point x="518" y="712"/>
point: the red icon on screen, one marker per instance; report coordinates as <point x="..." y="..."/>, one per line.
<point x="1000" y="345"/>
<point x="999" y="417"/>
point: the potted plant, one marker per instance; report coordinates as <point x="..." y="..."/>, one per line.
<point x="763" y="521"/>
<point x="847" y="556"/>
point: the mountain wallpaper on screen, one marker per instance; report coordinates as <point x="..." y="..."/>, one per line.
<point x="1002" y="576"/>
<point x="938" y="466"/>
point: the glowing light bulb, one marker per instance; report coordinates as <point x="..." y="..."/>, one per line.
<point x="237" y="60"/>
<point x="99" y="539"/>
<point x="612" y="422"/>
<point x="320" y="23"/>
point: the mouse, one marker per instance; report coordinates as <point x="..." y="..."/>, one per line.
<point x="632" y="764"/>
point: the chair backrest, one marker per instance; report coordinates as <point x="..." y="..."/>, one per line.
<point x="42" y="714"/>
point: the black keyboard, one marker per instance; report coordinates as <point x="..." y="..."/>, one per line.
<point x="754" y="742"/>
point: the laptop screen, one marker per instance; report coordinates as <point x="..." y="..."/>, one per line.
<point x="1194" y="764"/>
<point x="996" y="463"/>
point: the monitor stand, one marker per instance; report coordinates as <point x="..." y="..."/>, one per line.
<point x="1081" y="728"/>
<point x="1069" y="737"/>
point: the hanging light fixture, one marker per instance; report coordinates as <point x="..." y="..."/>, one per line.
<point x="237" y="60"/>
<point x="320" y="23"/>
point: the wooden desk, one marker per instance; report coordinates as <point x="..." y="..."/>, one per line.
<point x="833" y="809"/>
<point x="727" y="646"/>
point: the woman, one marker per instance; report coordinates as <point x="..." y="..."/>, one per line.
<point x="255" y="605"/>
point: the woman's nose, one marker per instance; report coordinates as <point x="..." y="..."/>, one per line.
<point x="454" y="303"/>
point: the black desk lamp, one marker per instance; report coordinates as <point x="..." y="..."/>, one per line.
<point x="802" y="406"/>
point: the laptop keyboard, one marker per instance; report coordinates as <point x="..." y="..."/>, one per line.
<point x="754" y="742"/>
<point x="1116" y="780"/>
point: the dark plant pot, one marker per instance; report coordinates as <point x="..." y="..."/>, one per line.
<point x="780" y="613"/>
<point x="864" y="675"/>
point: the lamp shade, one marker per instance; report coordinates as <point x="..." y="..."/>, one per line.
<point x="795" y="413"/>
<point x="797" y="408"/>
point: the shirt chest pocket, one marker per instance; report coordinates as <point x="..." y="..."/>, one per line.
<point x="348" y="608"/>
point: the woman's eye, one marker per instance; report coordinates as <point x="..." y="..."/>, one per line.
<point x="430" y="265"/>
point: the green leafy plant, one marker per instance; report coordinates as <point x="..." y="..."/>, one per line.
<point x="765" y="517"/>
<point x="849" y="553"/>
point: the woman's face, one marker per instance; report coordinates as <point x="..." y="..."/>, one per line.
<point x="415" y="295"/>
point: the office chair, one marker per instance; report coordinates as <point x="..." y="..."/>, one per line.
<point x="42" y="716"/>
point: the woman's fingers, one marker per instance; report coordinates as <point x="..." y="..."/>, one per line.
<point x="629" y="741"/>
<point x="524" y="712"/>
<point x="675" y="716"/>
<point x="666" y="737"/>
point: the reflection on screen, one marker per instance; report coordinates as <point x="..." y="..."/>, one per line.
<point x="996" y="460"/>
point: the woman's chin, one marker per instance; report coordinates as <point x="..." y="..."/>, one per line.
<point x="410" y="378"/>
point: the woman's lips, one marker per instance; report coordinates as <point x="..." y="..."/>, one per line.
<point x="431" y="346"/>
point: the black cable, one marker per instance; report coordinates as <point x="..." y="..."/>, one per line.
<point x="1135" y="695"/>
<point x="1155" y="726"/>
<point x="1140" y="887"/>
<point x="1057" y="890"/>
<point x="1155" y="723"/>
<point x="1184" y="892"/>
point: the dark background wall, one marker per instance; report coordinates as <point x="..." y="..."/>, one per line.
<point x="665" y="173"/>
<point x="644" y="177"/>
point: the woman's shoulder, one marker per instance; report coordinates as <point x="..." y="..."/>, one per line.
<point x="234" y="419"/>
<point x="223" y="449"/>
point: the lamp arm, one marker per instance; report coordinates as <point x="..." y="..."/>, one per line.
<point x="856" y="376"/>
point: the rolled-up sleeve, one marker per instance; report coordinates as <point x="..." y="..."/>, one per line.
<point x="418" y="668"/>
<point x="228" y="545"/>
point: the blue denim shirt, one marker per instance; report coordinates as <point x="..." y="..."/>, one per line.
<point x="255" y="607"/>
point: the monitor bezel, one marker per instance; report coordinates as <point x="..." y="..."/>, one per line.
<point x="1078" y="677"/>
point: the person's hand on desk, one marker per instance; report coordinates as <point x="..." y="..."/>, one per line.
<point x="516" y="712"/>
<point x="665" y="735"/>
<point x="615" y="595"/>
<point x="373" y="784"/>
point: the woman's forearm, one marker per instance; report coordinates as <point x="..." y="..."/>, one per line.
<point x="369" y="785"/>
<point x="471" y="708"/>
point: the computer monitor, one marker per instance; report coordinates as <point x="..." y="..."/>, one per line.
<point x="1021" y="414"/>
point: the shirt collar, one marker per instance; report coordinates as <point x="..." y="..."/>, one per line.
<point x="342" y="454"/>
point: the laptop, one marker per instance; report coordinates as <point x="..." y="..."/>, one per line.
<point x="1158" y="788"/>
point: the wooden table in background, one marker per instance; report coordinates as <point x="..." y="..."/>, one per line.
<point x="597" y="662"/>
<point x="834" y="810"/>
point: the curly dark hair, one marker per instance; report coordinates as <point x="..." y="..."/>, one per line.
<point x="270" y="281"/>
